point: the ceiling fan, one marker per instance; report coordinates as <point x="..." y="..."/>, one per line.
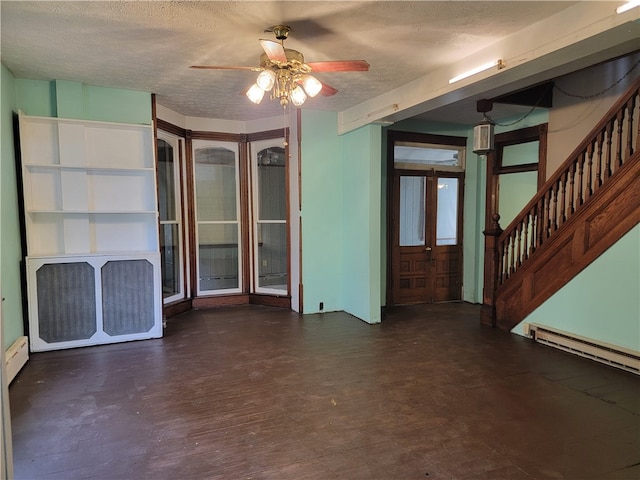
<point x="285" y="74"/>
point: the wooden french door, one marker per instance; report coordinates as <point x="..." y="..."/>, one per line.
<point x="426" y="253"/>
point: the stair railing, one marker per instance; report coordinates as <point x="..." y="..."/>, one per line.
<point x="604" y="151"/>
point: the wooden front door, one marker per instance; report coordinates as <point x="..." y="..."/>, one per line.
<point x="426" y="252"/>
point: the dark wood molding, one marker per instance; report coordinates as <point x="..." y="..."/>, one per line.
<point x="267" y="135"/>
<point x="191" y="212"/>
<point x="270" y="300"/>
<point x="170" y="128"/>
<point x="246" y="203"/>
<point x="176" y="308"/>
<point x="221" y="301"/>
<point x="401" y="136"/>
<point x="219" y="136"/>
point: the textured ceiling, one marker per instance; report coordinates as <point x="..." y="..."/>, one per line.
<point x="149" y="45"/>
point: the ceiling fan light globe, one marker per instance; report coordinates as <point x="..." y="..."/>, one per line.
<point x="266" y="79"/>
<point x="255" y="94"/>
<point x="311" y="85"/>
<point x="298" y="96"/>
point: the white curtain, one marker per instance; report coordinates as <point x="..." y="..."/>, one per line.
<point x="447" y="220"/>
<point x="412" y="205"/>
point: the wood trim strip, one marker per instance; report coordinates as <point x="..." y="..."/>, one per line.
<point x="219" y="136"/>
<point x="449" y="140"/>
<point x="170" y="128"/>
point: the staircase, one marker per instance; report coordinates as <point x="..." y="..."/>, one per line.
<point x="591" y="201"/>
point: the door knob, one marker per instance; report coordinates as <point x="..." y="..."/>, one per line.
<point x="428" y="249"/>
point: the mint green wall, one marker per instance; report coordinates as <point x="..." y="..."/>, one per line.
<point x="362" y="214"/>
<point x="602" y="302"/>
<point x="517" y="189"/>
<point x="10" y="245"/>
<point x="322" y="211"/>
<point x="116" y="105"/>
<point x="68" y="99"/>
<point x="36" y="97"/>
<point x="341" y="203"/>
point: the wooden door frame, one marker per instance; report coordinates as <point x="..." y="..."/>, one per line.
<point x="495" y="167"/>
<point x="394" y="136"/>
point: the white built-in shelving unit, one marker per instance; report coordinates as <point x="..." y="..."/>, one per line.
<point x="90" y="206"/>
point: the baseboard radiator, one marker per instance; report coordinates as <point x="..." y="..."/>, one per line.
<point x="613" y="355"/>
<point x="16" y="356"/>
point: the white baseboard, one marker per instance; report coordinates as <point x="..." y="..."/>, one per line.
<point x="16" y="356"/>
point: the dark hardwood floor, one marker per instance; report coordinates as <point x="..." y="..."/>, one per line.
<point x="261" y="393"/>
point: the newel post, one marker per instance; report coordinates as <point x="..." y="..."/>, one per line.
<point x="491" y="235"/>
<point x="491" y="232"/>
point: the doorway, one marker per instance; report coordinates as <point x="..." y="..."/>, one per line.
<point x="425" y="213"/>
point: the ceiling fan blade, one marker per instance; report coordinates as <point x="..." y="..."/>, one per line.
<point x="274" y="50"/>
<point x="327" y="90"/>
<point x="339" y="66"/>
<point x="222" y="67"/>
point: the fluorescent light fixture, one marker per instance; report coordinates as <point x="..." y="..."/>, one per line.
<point x="628" y="6"/>
<point x="496" y="63"/>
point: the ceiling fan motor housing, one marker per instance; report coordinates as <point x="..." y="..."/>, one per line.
<point x="280" y="31"/>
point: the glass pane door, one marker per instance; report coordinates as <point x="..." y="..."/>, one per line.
<point x="169" y="199"/>
<point x="269" y="222"/>
<point x="447" y="214"/>
<point x="217" y="207"/>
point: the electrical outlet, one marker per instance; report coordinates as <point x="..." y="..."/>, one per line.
<point x="264" y="263"/>
<point x="321" y="306"/>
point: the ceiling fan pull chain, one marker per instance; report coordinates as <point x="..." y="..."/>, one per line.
<point x="285" y="125"/>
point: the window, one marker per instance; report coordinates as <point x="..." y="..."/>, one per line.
<point x="415" y="155"/>
<point x="269" y="219"/>
<point x="170" y="215"/>
<point x="217" y="219"/>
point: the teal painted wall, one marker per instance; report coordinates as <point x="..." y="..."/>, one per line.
<point x="36" y="97"/>
<point x="116" y="105"/>
<point x="68" y="99"/>
<point x="516" y="189"/>
<point x="602" y="302"/>
<point x="341" y="213"/>
<point x="322" y="212"/>
<point x="10" y="245"/>
<point x="361" y="219"/>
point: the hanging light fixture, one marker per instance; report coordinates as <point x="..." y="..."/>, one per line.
<point x="483" y="138"/>
<point x="288" y="79"/>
